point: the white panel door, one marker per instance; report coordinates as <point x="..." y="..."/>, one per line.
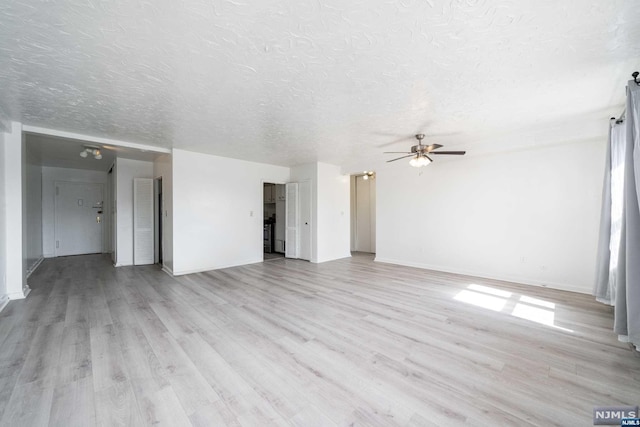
<point x="143" y="245"/>
<point x="78" y="218"/>
<point x="304" y="194"/>
<point x="291" y="221"/>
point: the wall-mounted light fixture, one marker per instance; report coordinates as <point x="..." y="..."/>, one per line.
<point x="94" y="151"/>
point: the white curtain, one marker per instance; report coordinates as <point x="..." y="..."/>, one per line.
<point x="611" y="226"/>
<point x="618" y="259"/>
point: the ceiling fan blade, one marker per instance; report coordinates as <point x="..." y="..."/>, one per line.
<point x="396" y="141"/>
<point x="397" y="152"/>
<point x="403" y="157"/>
<point x="460" y="153"/>
<point x="433" y="147"/>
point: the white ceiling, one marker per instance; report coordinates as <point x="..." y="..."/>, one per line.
<point x="293" y="81"/>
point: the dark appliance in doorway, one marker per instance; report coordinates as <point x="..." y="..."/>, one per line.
<point x="268" y="237"/>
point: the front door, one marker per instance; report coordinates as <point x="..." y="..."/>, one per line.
<point x="78" y="223"/>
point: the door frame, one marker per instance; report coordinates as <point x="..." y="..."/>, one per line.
<point x="355" y="211"/>
<point x="299" y="228"/>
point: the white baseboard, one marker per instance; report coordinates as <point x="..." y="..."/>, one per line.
<point x="482" y="275"/>
<point x="318" y="261"/>
<point x="20" y="295"/>
<point x="4" y="300"/>
<point x="216" y="267"/>
<point x="34" y="266"/>
<point x="167" y="270"/>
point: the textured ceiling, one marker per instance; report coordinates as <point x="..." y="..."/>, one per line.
<point x="293" y="81"/>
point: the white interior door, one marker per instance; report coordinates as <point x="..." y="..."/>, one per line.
<point x="78" y="218"/>
<point x="291" y="221"/>
<point x="143" y="244"/>
<point x="304" y="195"/>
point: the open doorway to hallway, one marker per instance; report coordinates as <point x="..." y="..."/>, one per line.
<point x="363" y="212"/>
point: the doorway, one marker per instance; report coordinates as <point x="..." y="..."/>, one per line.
<point x="287" y="220"/>
<point x="363" y="213"/>
<point x="273" y="221"/>
<point x="78" y="211"/>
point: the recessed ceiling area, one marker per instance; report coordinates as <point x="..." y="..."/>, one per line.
<point x="53" y="151"/>
<point x="290" y="82"/>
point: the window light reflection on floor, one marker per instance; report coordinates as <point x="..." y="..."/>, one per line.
<point x="522" y="306"/>
<point x="489" y="302"/>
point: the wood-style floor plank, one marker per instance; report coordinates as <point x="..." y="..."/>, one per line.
<point x="286" y="342"/>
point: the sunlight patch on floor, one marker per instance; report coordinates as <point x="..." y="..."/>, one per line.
<point x="522" y="306"/>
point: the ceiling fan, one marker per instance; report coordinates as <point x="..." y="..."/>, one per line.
<point x="420" y="153"/>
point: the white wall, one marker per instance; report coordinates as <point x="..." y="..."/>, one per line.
<point x="3" y="224"/>
<point x="126" y="171"/>
<point x="333" y="213"/>
<point x="49" y="177"/>
<point x="529" y="216"/>
<point x="33" y="212"/>
<point x="162" y="167"/>
<point x="15" y="233"/>
<point x="217" y="210"/>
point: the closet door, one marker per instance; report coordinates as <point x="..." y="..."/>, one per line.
<point x="143" y="249"/>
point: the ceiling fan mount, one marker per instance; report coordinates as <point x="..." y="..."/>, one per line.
<point x="420" y="152"/>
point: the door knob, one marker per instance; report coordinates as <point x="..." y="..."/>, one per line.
<point x="98" y="219"/>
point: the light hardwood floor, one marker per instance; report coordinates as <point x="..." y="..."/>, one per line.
<point x="285" y="342"/>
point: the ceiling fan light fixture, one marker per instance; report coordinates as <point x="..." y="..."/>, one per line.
<point x="420" y="154"/>
<point x="94" y="151"/>
<point x="419" y="161"/>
